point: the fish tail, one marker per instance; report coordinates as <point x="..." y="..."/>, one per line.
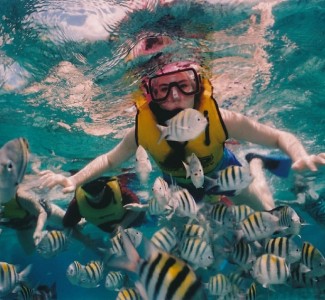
<point x="24" y="273"/>
<point x="210" y="183"/>
<point x="163" y="131"/>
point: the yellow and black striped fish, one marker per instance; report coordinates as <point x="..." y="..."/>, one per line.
<point x="165" y="239"/>
<point x="313" y="259"/>
<point x="52" y="243"/>
<point x="161" y="275"/>
<point x="128" y="294"/>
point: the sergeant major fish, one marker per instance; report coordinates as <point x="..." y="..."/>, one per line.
<point x="143" y="165"/>
<point x="52" y="243"/>
<point x="10" y="278"/>
<point x="161" y="275"/>
<point x="232" y="179"/>
<point x="14" y="157"/>
<point x="185" y="126"/>
<point x="92" y="275"/>
<point x="194" y="170"/>
<point x="115" y="280"/>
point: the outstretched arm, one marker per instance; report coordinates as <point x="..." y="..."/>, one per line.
<point x="243" y="128"/>
<point x="32" y="205"/>
<point x="122" y="152"/>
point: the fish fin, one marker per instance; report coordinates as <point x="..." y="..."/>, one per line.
<point x="187" y="168"/>
<point x="163" y="130"/>
<point x="278" y="164"/>
<point x="303" y="268"/>
<point x="136" y="207"/>
<point x="141" y="290"/>
<point x="24" y="273"/>
<point x="210" y="183"/>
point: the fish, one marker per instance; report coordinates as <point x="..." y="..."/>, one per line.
<point x="52" y="243"/>
<point x="270" y="269"/>
<point x="161" y="191"/>
<point x="221" y="215"/>
<point x="74" y="271"/>
<point x="258" y="225"/>
<point x="240" y="212"/>
<point x="284" y="247"/>
<point x="128" y="294"/>
<point x="251" y="292"/>
<point x="143" y="165"/>
<point x="313" y="261"/>
<point x="197" y="252"/>
<point x="160" y="275"/>
<point x="10" y="278"/>
<point x="232" y="179"/>
<point x="14" y="157"/>
<point x="194" y="170"/>
<point x="92" y="275"/>
<point x="153" y="207"/>
<point x="23" y="292"/>
<point x="243" y="255"/>
<point x="44" y="292"/>
<point x="219" y="285"/>
<point x="184" y="204"/>
<point x="115" y="280"/>
<point x="185" y="126"/>
<point x="164" y="239"/>
<point x="193" y="230"/>
<point x="288" y="218"/>
<point x="117" y="245"/>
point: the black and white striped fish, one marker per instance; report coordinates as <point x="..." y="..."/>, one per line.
<point x="165" y="239"/>
<point x="284" y="247"/>
<point x="52" y="243"/>
<point x="10" y="278"/>
<point x="184" y="204"/>
<point x="243" y="255"/>
<point x="197" y="252"/>
<point x="115" y="280"/>
<point x="185" y="126"/>
<point x="313" y="260"/>
<point x="74" y="271"/>
<point x="219" y="285"/>
<point x="194" y="170"/>
<point x="270" y="269"/>
<point x="92" y="275"/>
<point x="161" y="275"/>
<point x="232" y="179"/>
<point x="259" y="225"/>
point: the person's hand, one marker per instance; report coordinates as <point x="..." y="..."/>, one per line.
<point x="309" y="162"/>
<point x="37" y="236"/>
<point x="50" y="179"/>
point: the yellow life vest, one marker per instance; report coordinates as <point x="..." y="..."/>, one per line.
<point x="114" y="212"/>
<point x="13" y="210"/>
<point x="208" y="146"/>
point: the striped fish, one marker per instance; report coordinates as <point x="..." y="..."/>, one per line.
<point x="287" y="218"/>
<point x="251" y="292"/>
<point x="154" y="207"/>
<point x="74" y="271"/>
<point x="221" y="215"/>
<point x="193" y="230"/>
<point x="161" y="191"/>
<point x="184" y="203"/>
<point x="185" y="126"/>
<point x="284" y="247"/>
<point x="197" y="252"/>
<point x="128" y="294"/>
<point x="219" y="285"/>
<point x="10" y="278"/>
<point x="115" y="281"/>
<point x="92" y="275"/>
<point x="259" y="225"/>
<point x="232" y="179"/>
<point x="240" y="212"/>
<point x="161" y="275"/>
<point x="270" y="269"/>
<point x="24" y="292"/>
<point x="300" y="279"/>
<point x="52" y="243"/>
<point x="117" y="245"/>
<point x="194" y="170"/>
<point x="143" y="165"/>
<point x="313" y="260"/>
<point x="243" y="255"/>
<point x="165" y="239"/>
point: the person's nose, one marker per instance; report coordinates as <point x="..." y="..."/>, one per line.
<point x="175" y="93"/>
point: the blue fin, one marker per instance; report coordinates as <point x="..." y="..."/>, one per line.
<point x="278" y="164"/>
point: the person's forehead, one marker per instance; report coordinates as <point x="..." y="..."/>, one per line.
<point x="170" y="78"/>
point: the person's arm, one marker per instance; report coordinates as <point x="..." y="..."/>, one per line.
<point x="244" y="128"/>
<point x="122" y="152"/>
<point x="33" y="207"/>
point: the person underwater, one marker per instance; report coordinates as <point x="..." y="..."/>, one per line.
<point x="101" y="203"/>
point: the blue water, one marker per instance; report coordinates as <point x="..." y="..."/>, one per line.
<point x="65" y="86"/>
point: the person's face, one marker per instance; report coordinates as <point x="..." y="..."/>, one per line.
<point x="171" y="88"/>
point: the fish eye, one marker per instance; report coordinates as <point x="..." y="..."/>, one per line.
<point x="9" y="165"/>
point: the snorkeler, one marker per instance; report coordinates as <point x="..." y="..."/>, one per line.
<point x="101" y="203"/>
<point x="175" y="87"/>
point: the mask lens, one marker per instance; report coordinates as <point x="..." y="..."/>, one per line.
<point x="185" y="80"/>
